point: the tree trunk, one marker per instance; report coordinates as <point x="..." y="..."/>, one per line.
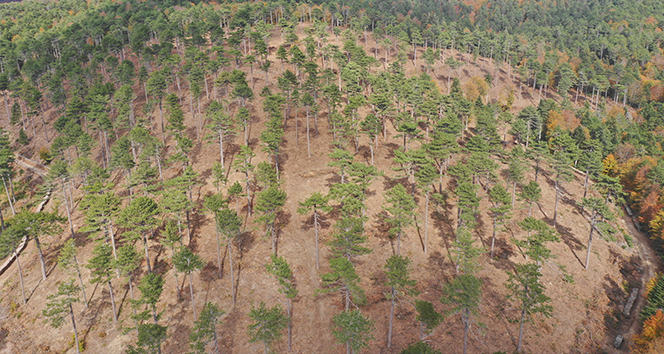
<point x="41" y="257"/>
<point x="389" y="331"/>
<point x="71" y="225"/>
<point x="230" y="258"/>
<point x="316" y="234"/>
<point x="585" y="184"/>
<point x="426" y="221"/>
<point x="493" y="237"/>
<point x="8" y="196"/>
<point x="521" y="322"/>
<point x="73" y="323"/>
<point x="110" y="290"/>
<point x="161" y="114"/>
<point x="221" y="148"/>
<point x="308" y="143"/>
<point x="555" y="207"/>
<point x="80" y="280"/>
<point x="218" y="253"/>
<point x="466" y="326"/>
<point x="20" y="275"/>
<point x="147" y="255"/>
<point x="191" y="290"/>
<point x="590" y="241"/>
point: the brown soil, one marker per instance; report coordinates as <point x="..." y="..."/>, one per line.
<point x="586" y="314"/>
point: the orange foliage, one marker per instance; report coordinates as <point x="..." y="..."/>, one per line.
<point x="610" y="166"/>
<point x="653" y="328"/>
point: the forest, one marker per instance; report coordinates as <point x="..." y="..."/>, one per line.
<point x="358" y="176"/>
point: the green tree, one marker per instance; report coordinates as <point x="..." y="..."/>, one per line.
<point x="38" y="225"/>
<point x="267" y="324"/>
<point x="59" y="306"/>
<point x="243" y="164"/>
<point x="229" y="225"/>
<point x="515" y="170"/>
<point x="221" y="124"/>
<point x="68" y="261"/>
<point x="316" y="203"/>
<point x="344" y="279"/>
<point x="563" y="173"/>
<point x="348" y="240"/>
<point x="204" y="331"/>
<point x="354" y="329"/>
<point x="268" y="203"/>
<point x="101" y="267"/>
<point x="127" y="262"/>
<point x="186" y="261"/>
<point x="397" y="269"/>
<point x="525" y="287"/>
<point x="139" y="216"/>
<point x="499" y="211"/>
<point x="464" y="295"/>
<point x="342" y="160"/>
<point x="538" y="234"/>
<point x="99" y="211"/>
<point x="150" y="338"/>
<point x="420" y="348"/>
<point x="428" y="317"/>
<point x="10" y="239"/>
<point x="151" y="287"/>
<point x="281" y="270"/>
<point x="531" y="193"/>
<point x="401" y="210"/>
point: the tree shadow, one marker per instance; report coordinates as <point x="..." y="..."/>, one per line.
<point x="283" y="219"/>
<point x="381" y="230"/>
<point x="570" y="240"/>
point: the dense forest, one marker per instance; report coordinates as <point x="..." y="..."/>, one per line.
<point x="361" y="176"/>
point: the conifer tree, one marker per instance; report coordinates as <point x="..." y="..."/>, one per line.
<point x="187" y="262"/>
<point x="464" y="295"/>
<point x="515" y="170"/>
<point x="425" y="177"/>
<point x="401" y="210"/>
<point x="172" y="240"/>
<point x="243" y="164"/>
<point x="563" y="173"/>
<point x="139" y="217"/>
<point x="59" y="306"/>
<point x="531" y="193"/>
<point x="221" y="124"/>
<point x="127" y="262"/>
<point x="281" y="270"/>
<point x="342" y="160"/>
<point x="101" y="267"/>
<point x="267" y="324"/>
<point x="204" y="331"/>
<point x="38" y="225"/>
<point x="10" y="239"/>
<point x="500" y="210"/>
<point x="229" y="225"/>
<point x="150" y="338"/>
<point x="397" y="269"/>
<point x="372" y="126"/>
<point x="348" y="240"/>
<point x="428" y="317"/>
<point x="420" y="348"/>
<point x="100" y="210"/>
<point x="151" y="287"/>
<point x="68" y="261"/>
<point x="268" y="203"/>
<point x="525" y="287"/>
<point x="315" y="203"/>
<point x="538" y="234"/>
<point x="345" y="280"/>
<point x="354" y="329"/>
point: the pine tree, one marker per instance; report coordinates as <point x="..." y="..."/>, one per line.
<point x="500" y="210"/>
<point x="99" y="211"/>
<point x="420" y="348"/>
<point x="563" y="173"/>
<point x="515" y="170"/>
<point x="38" y="225"/>
<point x="531" y="193"/>
<point x="204" y="331"/>
<point x="401" y="210"/>
<point x="221" y="124"/>
<point x="172" y="240"/>
<point x="342" y="160"/>
<point x="525" y="287"/>
<point x="425" y="177"/>
<point x="315" y="203"/>
<point x="348" y="240"/>
<point x="428" y="317"/>
<point x="398" y="279"/>
<point x="243" y="164"/>
<point x="127" y="262"/>
<point x="354" y="329"/>
<point x="464" y="295"/>
<point x="344" y="279"/>
<point x="139" y="217"/>
<point x="68" y="261"/>
<point x="229" y="225"/>
<point x="150" y="338"/>
<point x="267" y="324"/>
<point x="268" y="203"/>
<point x="281" y="270"/>
<point x="101" y="267"/>
<point x="59" y="306"/>
<point x="187" y="262"/>
<point x="151" y="287"/>
<point x="10" y="239"/>
<point x="538" y="233"/>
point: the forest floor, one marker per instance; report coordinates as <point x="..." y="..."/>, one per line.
<point x="586" y="316"/>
